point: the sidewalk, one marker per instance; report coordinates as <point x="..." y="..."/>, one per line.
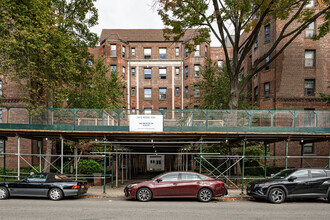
<point x="97" y="192"/>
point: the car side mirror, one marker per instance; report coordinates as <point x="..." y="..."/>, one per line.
<point x="292" y="178"/>
<point x="158" y="180"/>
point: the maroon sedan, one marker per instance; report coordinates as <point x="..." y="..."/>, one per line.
<point x="177" y="185"/>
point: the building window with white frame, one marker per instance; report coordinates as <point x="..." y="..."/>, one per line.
<point x="177" y="51"/>
<point x="124" y="72"/>
<point x="187" y="72"/>
<point x="196" y="70"/>
<point x="267" y="33"/>
<point x="177" y="71"/>
<point x="103" y="51"/>
<point x="256" y="92"/>
<point x="197" y="50"/>
<point x="133" y="91"/>
<point x="309" y="87"/>
<point x="147" y="111"/>
<point x="309" y="148"/>
<point x="256" y="43"/>
<point x="187" y="92"/>
<point x="133" y="52"/>
<point x="266" y="90"/>
<point x="123" y="51"/>
<point x="162" y="53"/>
<point x="113" y="48"/>
<point x="162" y="93"/>
<point x="309" y="58"/>
<point x="267" y="67"/>
<point x="177" y="91"/>
<point x="147" y="73"/>
<point x="162" y="73"/>
<point x="133" y="71"/>
<point x="187" y="52"/>
<point x="147" y="93"/>
<point x="206" y="50"/>
<point x="147" y="53"/>
<point x="220" y="64"/>
<point x="196" y="91"/>
<point x="309" y="31"/>
<point x="113" y="68"/>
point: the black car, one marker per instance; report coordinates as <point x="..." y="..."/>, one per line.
<point x="52" y="185"/>
<point x="292" y="183"/>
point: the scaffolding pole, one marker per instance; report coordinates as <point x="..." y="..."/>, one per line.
<point x="76" y="159"/>
<point x="243" y="166"/>
<point x="200" y="157"/>
<point x="286" y="153"/>
<point x="62" y="143"/>
<point x="116" y="168"/>
<point x="104" y="166"/>
<point x="112" y="167"/>
<point x="19" y="157"/>
<point x="4" y="159"/>
<point x="126" y="165"/>
<point x="122" y="168"/>
<point x="39" y="145"/>
<point x="265" y="158"/>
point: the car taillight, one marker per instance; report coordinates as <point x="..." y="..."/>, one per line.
<point x="76" y="187"/>
<point x="221" y="183"/>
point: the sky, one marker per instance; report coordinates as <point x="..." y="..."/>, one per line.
<point x="129" y="14"/>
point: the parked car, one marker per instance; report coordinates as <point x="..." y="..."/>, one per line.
<point x="292" y="183"/>
<point x="177" y="185"/>
<point x="52" y="185"/>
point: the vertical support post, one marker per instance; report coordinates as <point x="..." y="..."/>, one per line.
<point x="122" y="167"/>
<point x="229" y="173"/>
<point x="286" y="153"/>
<point x="130" y="165"/>
<point x="4" y="159"/>
<point x="112" y="167"/>
<point x="116" y="168"/>
<point x="40" y="150"/>
<point x="126" y="165"/>
<point x="265" y="158"/>
<point x="243" y="166"/>
<point x="302" y="154"/>
<point x="200" y="156"/>
<point x="62" y="143"/>
<point x="193" y="162"/>
<point x="187" y="160"/>
<point x="76" y="159"/>
<point x="19" y="157"/>
<point x="104" y="165"/>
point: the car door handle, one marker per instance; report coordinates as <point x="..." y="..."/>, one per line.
<point x="175" y="184"/>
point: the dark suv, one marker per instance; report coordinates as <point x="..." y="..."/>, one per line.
<point x="292" y="183"/>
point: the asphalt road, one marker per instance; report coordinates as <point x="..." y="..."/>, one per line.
<point x="89" y="208"/>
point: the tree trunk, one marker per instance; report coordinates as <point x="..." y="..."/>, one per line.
<point x="234" y="93"/>
<point x="48" y="158"/>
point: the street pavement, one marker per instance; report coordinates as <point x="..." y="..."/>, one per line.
<point x="120" y="208"/>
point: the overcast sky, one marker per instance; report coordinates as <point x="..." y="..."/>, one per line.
<point x="128" y="14"/>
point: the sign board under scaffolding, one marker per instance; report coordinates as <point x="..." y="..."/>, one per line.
<point x="146" y="123"/>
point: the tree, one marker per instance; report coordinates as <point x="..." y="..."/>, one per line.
<point x="325" y="97"/>
<point x="240" y="16"/>
<point x="44" y="46"/>
<point x="98" y="91"/>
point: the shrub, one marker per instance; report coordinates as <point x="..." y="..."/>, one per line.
<point x="89" y="167"/>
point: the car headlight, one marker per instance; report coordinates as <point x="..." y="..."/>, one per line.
<point x="131" y="185"/>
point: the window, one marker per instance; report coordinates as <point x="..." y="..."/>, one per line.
<point x="113" y="69"/>
<point x="308" y="148"/>
<point x="197" y="50"/>
<point x="189" y="177"/>
<point x="147" y="53"/>
<point x="123" y="51"/>
<point x="187" y="72"/>
<point x="196" y="91"/>
<point x="133" y="52"/>
<point x="256" y="43"/>
<point x="103" y="51"/>
<point x="124" y="71"/>
<point x="0" y="89"/>
<point x="187" y="53"/>
<point x="310" y="4"/>
<point x="220" y="64"/>
<point x="177" y="91"/>
<point x="309" y="58"/>
<point x="162" y="73"/>
<point x="162" y="93"/>
<point x="162" y="53"/>
<point x="133" y="91"/>
<point x="206" y="49"/>
<point x="133" y="71"/>
<point x="196" y="68"/>
<point x="0" y="115"/>
<point x="256" y="92"/>
<point x="39" y="177"/>
<point x="147" y="93"/>
<point x="90" y="63"/>
<point x="267" y="67"/>
<point x="177" y="51"/>
<point x="187" y="92"/>
<point x="177" y="70"/>
<point x="147" y="73"/>
<point x="147" y="111"/>
<point x="1" y="147"/>
<point x="267" y="90"/>
<point x="318" y="173"/>
<point x="113" y="49"/>
<point x="301" y="174"/>
<point x="309" y="31"/>
<point x="170" y="177"/>
<point x="309" y="87"/>
<point x="267" y="33"/>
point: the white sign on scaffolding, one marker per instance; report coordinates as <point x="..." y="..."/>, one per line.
<point x="146" y="123"/>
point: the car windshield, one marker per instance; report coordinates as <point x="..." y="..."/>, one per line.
<point x="283" y="174"/>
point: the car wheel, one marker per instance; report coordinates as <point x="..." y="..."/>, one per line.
<point x="205" y="195"/>
<point x="55" y="194"/>
<point x="144" y="195"/>
<point x="4" y="193"/>
<point x="276" y="195"/>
